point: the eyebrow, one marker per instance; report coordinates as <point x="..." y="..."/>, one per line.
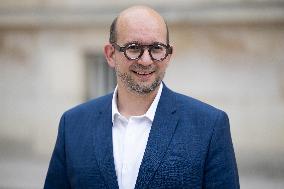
<point x="139" y="43"/>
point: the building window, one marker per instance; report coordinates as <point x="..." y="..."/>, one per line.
<point x="100" y="78"/>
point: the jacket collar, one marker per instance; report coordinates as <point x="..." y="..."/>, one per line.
<point x="103" y="145"/>
<point x="160" y="136"/>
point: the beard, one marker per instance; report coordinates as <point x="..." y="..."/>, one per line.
<point x="139" y="88"/>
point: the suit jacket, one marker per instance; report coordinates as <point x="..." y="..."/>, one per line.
<point x="189" y="146"/>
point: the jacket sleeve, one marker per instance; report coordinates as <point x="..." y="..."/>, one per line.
<point x="220" y="166"/>
<point x="57" y="177"/>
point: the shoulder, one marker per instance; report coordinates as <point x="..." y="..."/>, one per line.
<point x="95" y="106"/>
<point x="187" y="102"/>
<point x="194" y="109"/>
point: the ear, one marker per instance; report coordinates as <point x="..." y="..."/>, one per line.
<point x="109" y="55"/>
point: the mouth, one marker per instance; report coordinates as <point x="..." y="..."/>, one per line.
<point x="143" y="74"/>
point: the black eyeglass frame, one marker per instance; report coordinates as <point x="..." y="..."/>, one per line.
<point x="169" y="49"/>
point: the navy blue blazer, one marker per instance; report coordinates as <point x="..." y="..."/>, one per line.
<point x="189" y="146"/>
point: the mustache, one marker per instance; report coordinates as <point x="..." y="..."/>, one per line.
<point x="139" y="67"/>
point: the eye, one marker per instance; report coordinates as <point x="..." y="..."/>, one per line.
<point x="157" y="48"/>
<point x="133" y="48"/>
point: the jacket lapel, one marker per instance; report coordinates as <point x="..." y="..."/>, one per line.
<point x="160" y="136"/>
<point x="104" y="148"/>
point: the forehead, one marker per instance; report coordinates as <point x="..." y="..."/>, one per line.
<point x="141" y="26"/>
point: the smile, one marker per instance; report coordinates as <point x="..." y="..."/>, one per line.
<point x="143" y="75"/>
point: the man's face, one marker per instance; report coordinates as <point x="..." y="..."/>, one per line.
<point x="143" y="75"/>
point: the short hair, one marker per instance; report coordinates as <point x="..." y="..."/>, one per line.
<point x="113" y="32"/>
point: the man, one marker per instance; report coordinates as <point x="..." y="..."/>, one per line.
<point x="143" y="135"/>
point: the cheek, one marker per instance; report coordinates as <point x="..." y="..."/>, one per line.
<point x="166" y="63"/>
<point x="122" y="61"/>
<point x="121" y="65"/>
<point x="163" y="66"/>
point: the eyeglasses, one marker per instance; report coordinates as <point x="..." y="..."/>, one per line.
<point x="134" y="50"/>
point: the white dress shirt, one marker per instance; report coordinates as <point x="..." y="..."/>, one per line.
<point x="130" y="137"/>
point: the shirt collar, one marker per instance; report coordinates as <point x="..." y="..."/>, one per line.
<point x="150" y="114"/>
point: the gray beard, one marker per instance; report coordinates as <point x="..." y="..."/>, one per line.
<point x="133" y="86"/>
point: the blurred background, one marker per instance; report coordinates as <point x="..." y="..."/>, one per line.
<point x="229" y="53"/>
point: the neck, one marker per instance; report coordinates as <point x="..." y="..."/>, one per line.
<point x="131" y="104"/>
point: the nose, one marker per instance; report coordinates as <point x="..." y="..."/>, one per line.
<point x="145" y="59"/>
